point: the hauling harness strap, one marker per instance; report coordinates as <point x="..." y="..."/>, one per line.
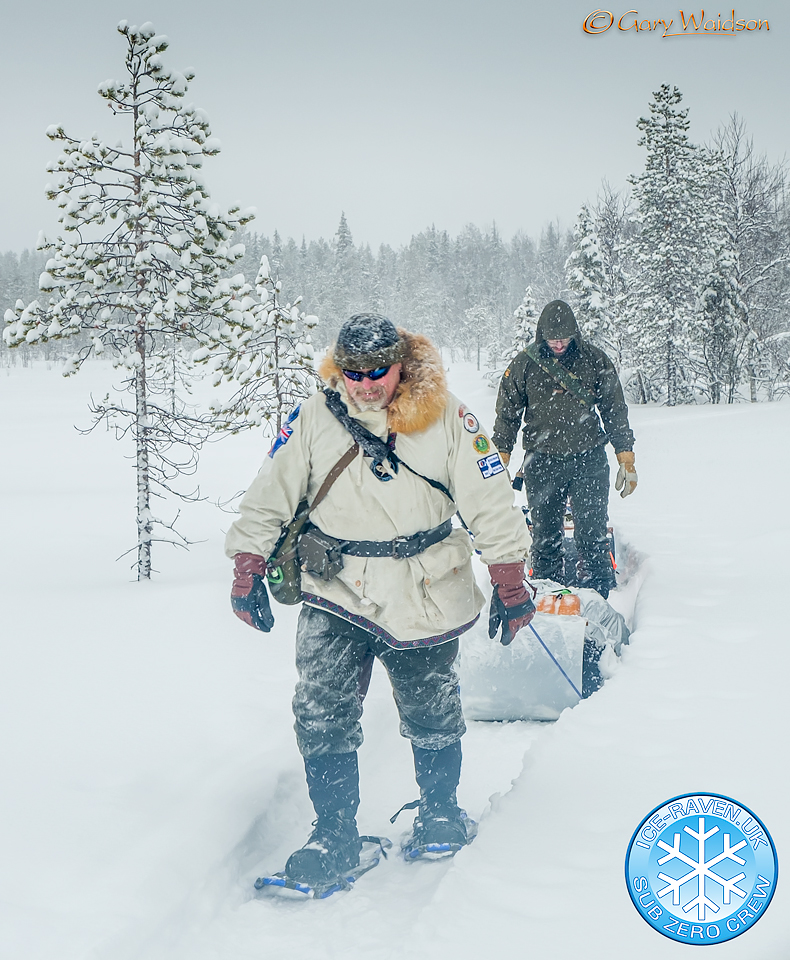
<point x="566" y="378"/>
<point x="283" y="567"/>
<point x="304" y="509"/>
<point x="380" y="451"/>
<point x="374" y="447"/>
<point x="401" y="547"/>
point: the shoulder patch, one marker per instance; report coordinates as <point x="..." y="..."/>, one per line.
<point x="481" y="443"/>
<point x="490" y="466"/>
<point x="471" y="423"/>
<point x="285" y="431"/>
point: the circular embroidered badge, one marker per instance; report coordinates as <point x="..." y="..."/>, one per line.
<point x="701" y="868"/>
<point x="470" y="422"/>
<point x="481" y="443"/>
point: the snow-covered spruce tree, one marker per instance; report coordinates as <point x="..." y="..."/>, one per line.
<point x="478" y="332"/>
<point x="553" y="251"/>
<point x="134" y="274"/>
<point x="720" y="322"/>
<point x="721" y="319"/>
<point x="614" y="227"/>
<point x="756" y="212"/>
<point x="526" y="316"/>
<point x="673" y="244"/>
<point x="19" y="275"/>
<point x="265" y="349"/>
<point x="586" y="278"/>
<point x="342" y="298"/>
<point x="526" y="321"/>
<point x="423" y="289"/>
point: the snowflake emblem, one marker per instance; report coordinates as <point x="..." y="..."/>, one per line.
<point x="701" y="870"/>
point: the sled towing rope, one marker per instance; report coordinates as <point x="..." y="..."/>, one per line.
<point x="556" y="663"/>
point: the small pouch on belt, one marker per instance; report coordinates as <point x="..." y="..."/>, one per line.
<point x="320" y="554"/>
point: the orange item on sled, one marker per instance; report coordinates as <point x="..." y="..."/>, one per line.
<point x="565" y="604"/>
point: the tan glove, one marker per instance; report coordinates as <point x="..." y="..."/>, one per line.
<point x="626" y="479"/>
<point x="504" y="457"/>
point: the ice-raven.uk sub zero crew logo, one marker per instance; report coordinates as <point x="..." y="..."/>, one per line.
<point x="701" y="868"/>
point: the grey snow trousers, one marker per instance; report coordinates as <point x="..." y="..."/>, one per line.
<point x="331" y="655"/>
<point x="548" y="482"/>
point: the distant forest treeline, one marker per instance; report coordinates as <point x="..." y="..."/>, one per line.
<point x="429" y="285"/>
<point x="684" y="278"/>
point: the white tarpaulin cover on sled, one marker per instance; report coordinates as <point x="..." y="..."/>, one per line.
<point x="521" y="681"/>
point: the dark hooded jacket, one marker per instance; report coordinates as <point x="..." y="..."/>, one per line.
<point x="555" y="421"/>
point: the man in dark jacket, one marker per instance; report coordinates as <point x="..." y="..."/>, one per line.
<point x="555" y="385"/>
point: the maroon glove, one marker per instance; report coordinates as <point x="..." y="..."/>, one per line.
<point x="248" y="596"/>
<point x="511" y="604"/>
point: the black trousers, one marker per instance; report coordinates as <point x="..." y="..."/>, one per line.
<point x="549" y="481"/>
<point x="331" y="658"/>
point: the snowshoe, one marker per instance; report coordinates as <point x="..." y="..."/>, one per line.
<point x="438" y="832"/>
<point x="283" y="885"/>
<point x="332" y="859"/>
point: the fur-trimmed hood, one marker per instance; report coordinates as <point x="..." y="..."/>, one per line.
<point x="421" y="397"/>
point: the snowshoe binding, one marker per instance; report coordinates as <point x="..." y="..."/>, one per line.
<point x="334" y="857"/>
<point x="438" y="832"/>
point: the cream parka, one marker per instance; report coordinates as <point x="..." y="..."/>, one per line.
<point x="425" y="599"/>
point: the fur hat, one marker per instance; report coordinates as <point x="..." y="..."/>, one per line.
<point x="367" y="341"/>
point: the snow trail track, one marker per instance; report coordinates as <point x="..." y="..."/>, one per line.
<point x="150" y="769"/>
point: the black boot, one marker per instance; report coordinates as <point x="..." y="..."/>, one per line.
<point x="591" y="672"/>
<point x="332" y="850"/>
<point x="334" y="846"/>
<point x="437" y="773"/>
<point x="604" y="582"/>
<point x="441" y="827"/>
<point x="604" y="587"/>
<point x="333" y="782"/>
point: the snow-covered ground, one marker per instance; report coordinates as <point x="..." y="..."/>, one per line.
<point x="149" y="770"/>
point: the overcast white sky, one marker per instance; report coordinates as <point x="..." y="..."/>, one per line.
<point x="401" y="114"/>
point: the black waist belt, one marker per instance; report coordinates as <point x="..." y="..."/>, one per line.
<point x="400" y="547"/>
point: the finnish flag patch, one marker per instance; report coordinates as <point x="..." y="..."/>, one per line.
<point x="490" y="466"/>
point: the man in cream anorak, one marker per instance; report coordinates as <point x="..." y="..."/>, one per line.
<point x="406" y="591"/>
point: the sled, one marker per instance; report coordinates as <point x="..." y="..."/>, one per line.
<point x="551" y="664"/>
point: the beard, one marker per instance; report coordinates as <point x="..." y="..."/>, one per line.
<point x="378" y="400"/>
<point x="364" y="406"/>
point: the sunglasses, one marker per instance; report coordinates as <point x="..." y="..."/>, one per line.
<point x="360" y="375"/>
